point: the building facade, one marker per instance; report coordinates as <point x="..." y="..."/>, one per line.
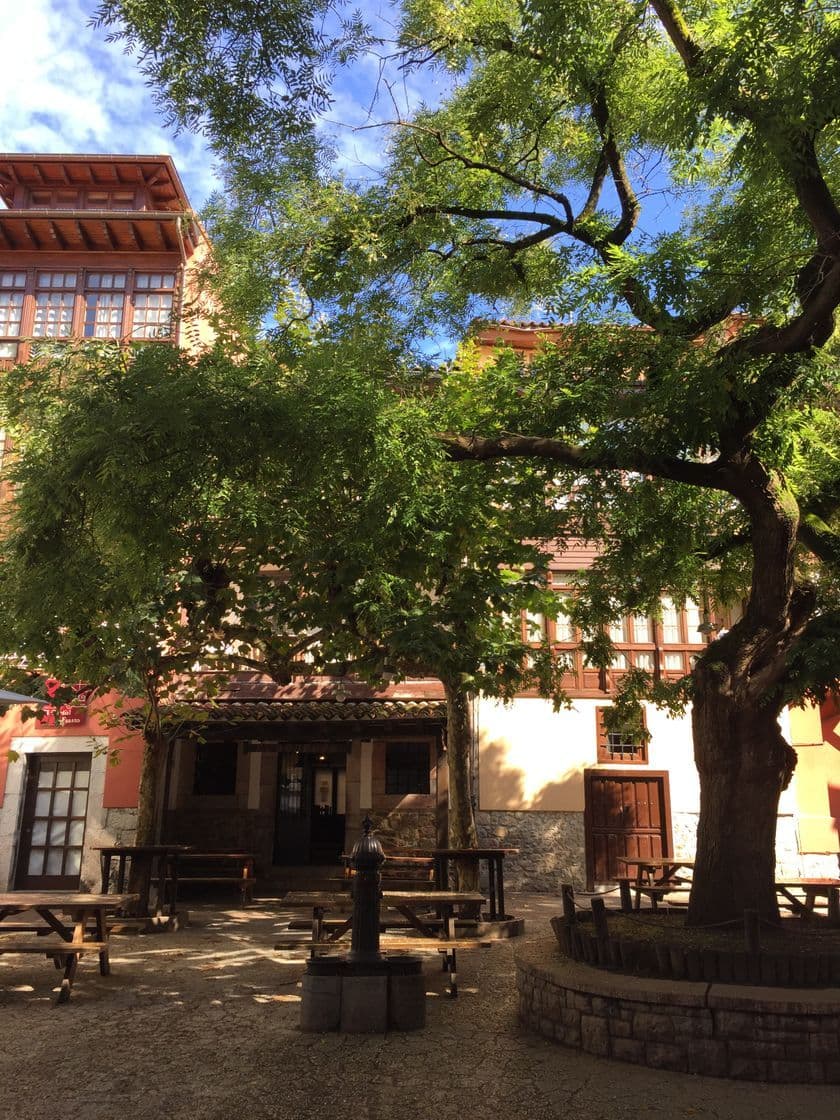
<point x="107" y="247"/>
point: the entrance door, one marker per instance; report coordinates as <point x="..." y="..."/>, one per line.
<point x="627" y="814"/>
<point x="310" y="817"/>
<point x="54" y="813"/>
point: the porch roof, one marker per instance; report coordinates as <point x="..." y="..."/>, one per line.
<point x="318" y="711"/>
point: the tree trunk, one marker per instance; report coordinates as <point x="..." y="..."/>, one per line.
<point x="154" y="757"/>
<point x="462" y="831"/>
<point x="742" y="758"/>
<point x="744" y="764"/>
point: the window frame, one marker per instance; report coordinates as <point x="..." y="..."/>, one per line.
<point x="637" y="755"/>
<point x="403" y="777"/>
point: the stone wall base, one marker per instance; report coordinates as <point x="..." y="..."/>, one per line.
<point x="720" y="1030"/>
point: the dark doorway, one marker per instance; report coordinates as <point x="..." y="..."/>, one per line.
<point x="54" y="815"/>
<point x="311" y="794"/>
<point x="626" y="814"/>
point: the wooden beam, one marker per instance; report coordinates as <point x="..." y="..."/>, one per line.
<point x="168" y="241"/>
<point x="84" y="237"/>
<point x="135" y="233"/>
<point x="32" y="235"/>
<point x="109" y="236"/>
<point x="57" y="234"/>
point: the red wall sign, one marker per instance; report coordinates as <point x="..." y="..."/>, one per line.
<point x="64" y="715"/>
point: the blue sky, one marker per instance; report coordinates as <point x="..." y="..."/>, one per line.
<point x="65" y="89"/>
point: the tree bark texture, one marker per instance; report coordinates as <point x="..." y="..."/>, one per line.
<point x="151" y="772"/>
<point x="744" y="764"/>
<point x="462" y="830"/>
<point x="742" y="758"/>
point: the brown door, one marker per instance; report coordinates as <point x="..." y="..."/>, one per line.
<point x="54" y="813"/>
<point x="627" y="814"/>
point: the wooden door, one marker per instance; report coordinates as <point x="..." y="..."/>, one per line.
<point x="54" y="814"/>
<point x="626" y="814"/>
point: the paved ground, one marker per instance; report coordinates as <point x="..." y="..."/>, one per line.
<point x="202" y="1025"/>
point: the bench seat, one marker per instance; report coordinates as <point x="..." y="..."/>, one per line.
<point x="61" y="951"/>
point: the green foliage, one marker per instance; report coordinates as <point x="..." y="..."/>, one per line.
<point x="250" y="76"/>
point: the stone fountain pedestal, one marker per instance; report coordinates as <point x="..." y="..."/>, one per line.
<point x="364" y="992"/>
<point x="363" y="997"/>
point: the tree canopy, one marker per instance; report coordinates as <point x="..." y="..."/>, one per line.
<point x="663" y="177"/>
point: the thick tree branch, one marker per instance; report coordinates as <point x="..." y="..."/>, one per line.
<point x="678" y="32"/>
<point x="593" y="198"/>
<point x="713" y="476"/>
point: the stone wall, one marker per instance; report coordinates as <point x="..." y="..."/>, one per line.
<point x="409" y="828"/>
<point x="720" y="1030"/>
<point x="247" y="830"/>
<point x="551" y="847"/>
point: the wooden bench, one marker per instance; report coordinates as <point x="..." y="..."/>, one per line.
<point x="403" y="870"/>
<point x="63" y="953"/>
<point x="211" y="868"/>
<point x="674" y="893"/>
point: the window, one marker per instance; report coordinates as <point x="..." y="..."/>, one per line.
<point x="110" y="200"/>
<point x="620" y="745"/>
<point x="642" y="628"/>
<point x="563" y="629"/>
<point x="12" y="286"/>
<point x="104" y="304"/>
<point x="534" y="627"/>
<point x="54" y="298"/>
<point x="618" y="631"/>
<point x="55" y="199"/>
<point x="153" y="303"/>
<point x="407" y="768"/>
<point x="670" y="623"/>
<point x="215" y="769"/>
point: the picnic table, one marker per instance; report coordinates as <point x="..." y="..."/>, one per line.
<point x="493" y="857"/>
<point x="86" y="931"/>
<point x="144" y="864"/>
<point x="811" y="888"/>
<point x="655" y="876"/>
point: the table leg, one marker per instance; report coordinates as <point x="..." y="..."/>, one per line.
<point x="491" y="886"/>
<point x="441" y="873"/>
<point x="500" y="886"/>
<point x="105" y="869"/>
<point x="101" y="927"/>
<point x="121" y="872"/>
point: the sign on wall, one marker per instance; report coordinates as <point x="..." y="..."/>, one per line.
<point x="68" y="714"/>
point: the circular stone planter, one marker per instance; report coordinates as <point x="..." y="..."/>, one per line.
<point x="720" y="1030"/>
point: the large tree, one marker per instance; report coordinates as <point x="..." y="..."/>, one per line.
<point x="172" y="513"/>
<point x="666" y="176"/>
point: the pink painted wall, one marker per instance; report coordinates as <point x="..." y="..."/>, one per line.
<point x="125" y="750"/>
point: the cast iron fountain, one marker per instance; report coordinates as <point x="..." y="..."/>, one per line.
<point x="364" y="991"/>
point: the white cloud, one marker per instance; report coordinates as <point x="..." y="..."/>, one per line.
<point x="67" y="90"/>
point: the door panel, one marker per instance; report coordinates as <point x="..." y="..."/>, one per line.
<point x="54" y="816"/>
<point x="310" y="820"/>
<point x="626" y="815"/>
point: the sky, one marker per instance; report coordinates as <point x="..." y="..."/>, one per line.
<point x="65" y="89"/>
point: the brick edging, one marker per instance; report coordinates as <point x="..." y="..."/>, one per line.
<point x="721" y="1030"/>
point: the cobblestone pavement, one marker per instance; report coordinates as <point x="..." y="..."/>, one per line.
<point x="202" y="1025"/>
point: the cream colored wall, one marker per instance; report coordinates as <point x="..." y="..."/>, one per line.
<point x="531" y="757"/>
<point x="197" y="310"/>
